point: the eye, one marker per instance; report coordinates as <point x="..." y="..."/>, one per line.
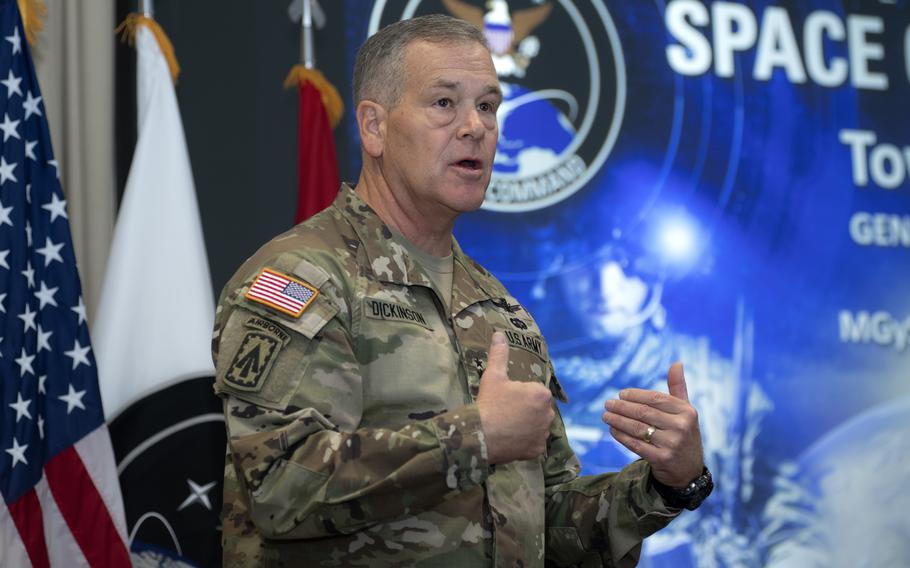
<point x="444" y="102"/>
<point x="486" y="107"/>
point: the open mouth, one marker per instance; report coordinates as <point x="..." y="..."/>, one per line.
<point x="469" y="164"/>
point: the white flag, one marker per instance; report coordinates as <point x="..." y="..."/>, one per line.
<point x="154" y="321"/>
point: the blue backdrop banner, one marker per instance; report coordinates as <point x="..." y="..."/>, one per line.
<point x="726" y="184"/>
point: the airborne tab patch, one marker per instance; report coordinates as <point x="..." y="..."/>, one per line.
<point x="283" y="293"/>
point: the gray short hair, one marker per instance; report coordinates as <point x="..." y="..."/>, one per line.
<point x="379" y="70"/>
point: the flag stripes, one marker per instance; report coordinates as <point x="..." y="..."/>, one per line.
<point x="281" y="292"/>
<point x="84" y="510"/>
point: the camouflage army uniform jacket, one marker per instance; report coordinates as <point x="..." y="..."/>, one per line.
<point x="353" y="439"/>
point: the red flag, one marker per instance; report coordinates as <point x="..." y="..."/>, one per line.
<point x="317" y="169"/>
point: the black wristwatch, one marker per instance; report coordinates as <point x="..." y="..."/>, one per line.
<point x="690" y="496"/>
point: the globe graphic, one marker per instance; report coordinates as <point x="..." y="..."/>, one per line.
<point x="533" y="133"/>
<point x="848" y="504"/>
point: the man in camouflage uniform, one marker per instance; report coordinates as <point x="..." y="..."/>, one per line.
<point x="387" y="402"/>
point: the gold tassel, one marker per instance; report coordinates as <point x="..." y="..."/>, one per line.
<point x="128" y="28"/>
<point x="334" y="108"/>
<point x="33" y="14"/>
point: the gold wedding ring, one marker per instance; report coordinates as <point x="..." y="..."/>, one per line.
<point x="648" y="433"/>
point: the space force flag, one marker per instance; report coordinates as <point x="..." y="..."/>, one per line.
<point x="153" y="331"/>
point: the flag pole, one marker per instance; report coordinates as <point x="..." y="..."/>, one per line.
<point x="307" y="55"/>
<point x="148" y="8"/>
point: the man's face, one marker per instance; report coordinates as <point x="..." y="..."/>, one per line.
<point x="440" y="138"/>
<point x="609" y="301"/>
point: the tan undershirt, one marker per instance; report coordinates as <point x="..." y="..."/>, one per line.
<point x="438" y="268"/>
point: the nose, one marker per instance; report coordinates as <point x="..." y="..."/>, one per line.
<point x="472" y="125"/>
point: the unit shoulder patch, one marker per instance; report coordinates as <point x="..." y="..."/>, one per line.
<point x="253" y="360"/>
<point x="281" y="292"/>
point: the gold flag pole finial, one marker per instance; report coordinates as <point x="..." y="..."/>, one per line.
<point x="130" y="26"/>
<point x="33" y="14"/>
<point x="306" y="70"/>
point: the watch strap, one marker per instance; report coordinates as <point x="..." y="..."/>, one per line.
<point x="688" y="497"/>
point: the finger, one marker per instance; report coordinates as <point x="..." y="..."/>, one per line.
<point x="633" y="428"/>
<point x="676" y="382"/>
<point x="498" y="359"/>
<point x="636" y="445"/>
<point x="654" y="399"/>
<point x="642" y="413"/>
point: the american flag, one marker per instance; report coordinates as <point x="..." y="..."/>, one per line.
<point x="281" y="292"/>
<point x="61" y="503"/>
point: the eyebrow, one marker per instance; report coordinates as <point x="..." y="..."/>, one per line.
<point x="453" y="85"/>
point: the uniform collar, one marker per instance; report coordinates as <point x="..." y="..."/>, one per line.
<point x="390" y="262"/>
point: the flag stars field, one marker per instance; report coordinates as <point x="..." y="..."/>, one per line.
<point x="56" y="207"/>
<point x="28" y="319"/>
<point x="29" y="274"/>
<point x="30" y="105"/>
<point x="9" y="127"/>
<point x="50" y="251"/>
<point x="79" y="355"/>
<point x="6" y="171"/>
<point x="73" y="399"/>
<point x="21" y="407"/>
<point x="18" y="452"/>
<point x="25" y="363"/>
<point x="4" y="215"/>
<point x="80" y="311"/>
<point x="43" y="339"/>
<point x="45" y="296"/>
<point x="12" y="84"/>
<point x="16" y="40"/>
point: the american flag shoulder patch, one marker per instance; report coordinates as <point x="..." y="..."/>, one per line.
<point x="281" y="292"/>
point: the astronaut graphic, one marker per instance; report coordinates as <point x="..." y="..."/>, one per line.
<point x="624" y="339"/>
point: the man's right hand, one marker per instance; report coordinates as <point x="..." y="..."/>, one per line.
<point x="515" y="415"/>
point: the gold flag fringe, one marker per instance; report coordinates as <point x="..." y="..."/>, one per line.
<point x="33" y="14"/>
<point x="128" y="28"/>
<point x="334" y="108"/>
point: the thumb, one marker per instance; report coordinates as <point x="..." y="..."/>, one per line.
<point x="498" y="358"/>
<point x="676" y="382"/>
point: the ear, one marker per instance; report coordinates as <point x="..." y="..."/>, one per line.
<point x="371" y="118"/>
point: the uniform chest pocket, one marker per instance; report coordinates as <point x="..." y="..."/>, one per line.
<point x="528" y="355"/>
<point x="408" y="363"/>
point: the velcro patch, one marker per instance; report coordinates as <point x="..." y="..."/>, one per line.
<point x="528" y="342"/>
<point x="383" y="310"/>
<point x="253" y="360"/>
<point x="269" y="327"/>
<point x="281" y="292"/>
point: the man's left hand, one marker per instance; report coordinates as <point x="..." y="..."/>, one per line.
<point x="661" y="428"/>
